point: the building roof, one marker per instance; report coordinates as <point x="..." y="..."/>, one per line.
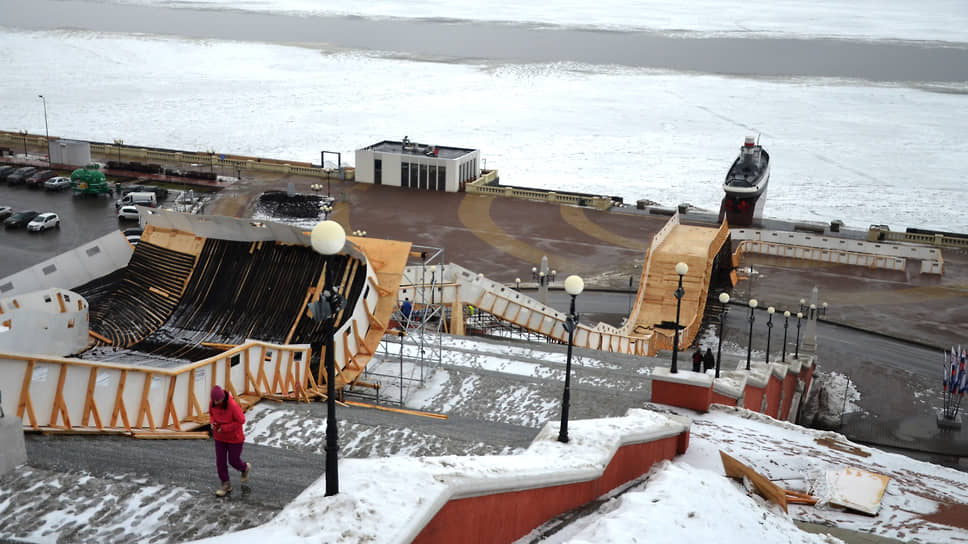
<point x="418" y="149"/>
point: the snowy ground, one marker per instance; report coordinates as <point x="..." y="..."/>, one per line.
<point x="36" y="505"/>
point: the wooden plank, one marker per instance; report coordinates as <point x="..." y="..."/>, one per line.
<point x="766" y="488"/>
<point x="170" y="435"/>
<point x="303" y="309"/>
<point x="104" y="339"/>
<point x="397" y="410"/>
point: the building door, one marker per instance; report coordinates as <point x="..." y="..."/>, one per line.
<point x="378" y="172"/>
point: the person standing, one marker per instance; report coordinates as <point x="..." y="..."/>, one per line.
<point x="697" y="360"/>
<point x="709" y="360"/>
<point x="226" y="420"/>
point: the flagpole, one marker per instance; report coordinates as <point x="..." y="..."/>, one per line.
<point x="946" y="369"/>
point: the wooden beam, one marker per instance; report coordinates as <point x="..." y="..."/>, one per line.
<point x="60" y="407"/>
<point x="90" y="407"/>
<point x="217" y="345"/>
<point x="25" y="404"/>
<point x="170" y="410"/>
<point x="119" y="403"/>
<point x="397" y="410"/>
<point x="144" y="407"/>
<point x="104" y="339"/>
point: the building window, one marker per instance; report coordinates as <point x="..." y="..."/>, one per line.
<point x="432" y="177"/>
<point x="404" y="175"/>
<point x="378" y="172"/>
<point x="441" y="178"/>
<point x="414" y="172"/>
<point x="423" y="176"/>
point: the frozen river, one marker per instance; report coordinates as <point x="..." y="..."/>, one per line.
<point x="862" y="105"/>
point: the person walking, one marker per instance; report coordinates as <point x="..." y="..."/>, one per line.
<point x="697" y="360"/>
<point x="709" y="360"/>
<point x="226" y="419"/>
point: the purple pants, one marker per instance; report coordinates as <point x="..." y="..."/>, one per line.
<point x="234" y="454"/>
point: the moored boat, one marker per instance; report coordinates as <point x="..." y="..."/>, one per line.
<point x="745" y="186"/>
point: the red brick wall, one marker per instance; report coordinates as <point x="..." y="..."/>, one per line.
<point x="789" y="387"/>
<point x="506" y="517"/>
<point x="753" y="397"/>
<point x="682" y="395"/>
<point x="723" y="399"/>
<point x="774" y="389"/>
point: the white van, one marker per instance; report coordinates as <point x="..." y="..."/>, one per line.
<point x="148" y="200"/>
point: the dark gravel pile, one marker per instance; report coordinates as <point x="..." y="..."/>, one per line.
<point x="282" y="204"/>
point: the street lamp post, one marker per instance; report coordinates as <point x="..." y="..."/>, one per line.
<point x="46" y="129"/>
<point x="328" y="238"/>
<point x="24" y="134"/>
<point x="724" y="299"/>
<point x="786" y="325"/>
<point x="120" y="143"/>
<point x="749" y="345"/>
<point x="682" y="269"/>
<point x="803" y="305"/>
<point x="823" y="310"/>
<point x="769" y="331"/>
<point x="327" y="209"/>
<point x="574" y="285"/>
<point x="799" y="317"/>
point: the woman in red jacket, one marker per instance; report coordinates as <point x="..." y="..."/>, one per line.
<point x="226" y="419"/>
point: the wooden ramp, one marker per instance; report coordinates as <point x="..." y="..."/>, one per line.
<point x="695" y="246"/>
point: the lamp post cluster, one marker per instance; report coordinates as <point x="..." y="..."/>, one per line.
<point x="328" y="238"/>
<point x="811" y="311"/>
<point x="541" y="277"/>
<point x="359" y="233"/>
<point x="574" y="285"/>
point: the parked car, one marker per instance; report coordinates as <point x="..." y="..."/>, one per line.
<point x="133" y="231"/>
<point x="20" y="175"/>
<point x="144" y="198"/>
<point x="57" y="183"/>
<point x="19" y="219"/>
<point x="37" y="179"/>
<point x="128" y="212"/>
<point x="5" y="212"/>
<point x="6" y="170"/>
<point x="133" y="240"/>
<point x="44" y="221"/>
<point x="160" y="192"/>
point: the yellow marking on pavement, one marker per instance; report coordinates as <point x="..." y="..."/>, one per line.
<point x="576" y="217"/>
<point x="475" y="214"/>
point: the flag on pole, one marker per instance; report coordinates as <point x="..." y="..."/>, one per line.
<point x="945" y="370"/>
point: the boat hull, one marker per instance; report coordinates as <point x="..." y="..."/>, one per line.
<point x="741" y="210"/>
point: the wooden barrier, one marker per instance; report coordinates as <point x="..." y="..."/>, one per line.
<point x="131" y="399"/>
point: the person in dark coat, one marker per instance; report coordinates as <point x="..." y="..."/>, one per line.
<point x="709" y="360"/>
<point x="697" y="360"/>
<point x="226" y="420"/>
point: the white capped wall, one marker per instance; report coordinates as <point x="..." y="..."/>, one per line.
<point x="52" y="322"/>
